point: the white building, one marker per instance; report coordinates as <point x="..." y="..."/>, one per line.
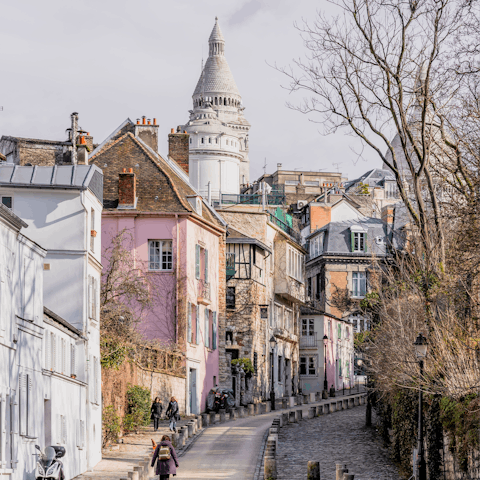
<point x="218" y="130"/>
<point x="62" y="206"/>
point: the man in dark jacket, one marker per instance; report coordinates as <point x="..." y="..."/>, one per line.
<point x="165" y="468"/>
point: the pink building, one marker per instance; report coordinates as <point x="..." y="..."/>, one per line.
<point x="178" y="240"/>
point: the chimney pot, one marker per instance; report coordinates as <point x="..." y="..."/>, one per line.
<point x="172" y="130"/>
<point x="149" y="122"/>
<point x="82" y="140"/>
<point x="184" y="131"/>
<point x="144" y="120"/>
<point x="130" y="170"/>
<point x="124" y="170"/>
<point x="138" y="121"/>
<point x="154" y="121"/>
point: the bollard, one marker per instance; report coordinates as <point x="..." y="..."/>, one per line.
<point x="258" y="408"/>
<point x="292" y="418"/>
<point x="268" y="407"/>
<point x="312" y="398"/>
<point x="222" y="415"/>
<point x="339" y="405"/>
<point x="284" y="403"/>
<point x="251" y="409"/>
<point x="190" y="429"/>
<point x="318" y="396"/>
<point x="233" y="414"/>
<point x="356" y="401"/>
<point x="213" y="418"/>
<point x="311" y="412"/>
<point x="205" y="419"/>
<point x="291" y="402"/>
<point x="144" y="469"/>
<point x="133" y="476"/>
<point x="306" y="399"/>
<point x="340" y="469"/>
<point x="313" y="471"/>
<point x="175" y="440"/>
<point x="299" y="400"/>
<point x="344" y="404"/>
<point x="362" y="400"/>
<point x="284" y="418"/>
<point x="241" y="412"/>
<point x="319" y="410"/>
<point x="348" y="476"/>
<point x="270" y="467"/>
<point x="139" y="471"/>
<point x="150" y="470"/>
<point x="199" y="422"/>
<point x="299" y="413"/>
<point x="195" y="425"/>
<point x="351" y="404"/>
<point x="181" y="438"/>
<point x="184" y="429"/>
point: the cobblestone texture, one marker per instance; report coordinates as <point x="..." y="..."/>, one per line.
<point x="339" y="437"/>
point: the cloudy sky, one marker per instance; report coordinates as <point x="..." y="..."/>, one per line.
<point x="113" y="59"/>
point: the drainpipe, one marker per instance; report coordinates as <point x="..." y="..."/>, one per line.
<point x="263" y="197"/>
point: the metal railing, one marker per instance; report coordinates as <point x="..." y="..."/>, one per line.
<point x="307" y="341"/>
<point x="252" y="199"/>
<point x="204" y="289"/>
<point x="286" y="228"/>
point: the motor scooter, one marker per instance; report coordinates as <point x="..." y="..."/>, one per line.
<point x="48" y="465"/>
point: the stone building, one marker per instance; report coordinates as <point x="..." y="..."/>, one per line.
<point x="265" y="289"/>
<point x="217" y="127"/>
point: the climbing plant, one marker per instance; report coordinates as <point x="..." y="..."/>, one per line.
<point x="138" y="408"/>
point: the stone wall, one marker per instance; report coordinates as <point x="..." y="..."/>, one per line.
<point x="116" y="382"/>
<point x="452" y="469"/>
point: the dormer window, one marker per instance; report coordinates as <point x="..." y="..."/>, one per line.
<point x="358" y="239"/>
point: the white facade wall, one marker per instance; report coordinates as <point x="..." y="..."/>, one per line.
<point x="61" y="221"/>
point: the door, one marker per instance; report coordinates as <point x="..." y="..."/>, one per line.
<point x="193" y="391"/>
<point x="47" y="415"/>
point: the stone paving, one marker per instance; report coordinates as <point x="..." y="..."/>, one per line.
<point x="338" y="437"/>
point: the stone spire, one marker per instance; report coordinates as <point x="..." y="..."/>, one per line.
<point x="216" y="40"/>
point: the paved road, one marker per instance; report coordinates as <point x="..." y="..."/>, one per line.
<point x="227" y="451"/>
<point x="337" y="437"/>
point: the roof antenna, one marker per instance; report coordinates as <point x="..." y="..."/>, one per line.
<point x="338" y="165"/>
<point x="265" y="167"/>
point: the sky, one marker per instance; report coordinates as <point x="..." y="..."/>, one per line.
<point x="113" y="59"/>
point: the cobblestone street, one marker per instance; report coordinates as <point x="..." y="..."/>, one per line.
<point x="338" y="437"/>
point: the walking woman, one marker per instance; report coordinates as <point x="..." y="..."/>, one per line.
<point x="167" y="463"/>
<point x="172" y="414"/>
<point x="156" y="411"/>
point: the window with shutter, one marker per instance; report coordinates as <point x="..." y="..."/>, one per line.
<point x="197" y="334"/>
<point x="73" y="365"/>
<point x="64" y="429"/>
<point x="95" y="378"/>
<point x="3" y="320"/>
<point x="206" y="265"/>
<point x="207" y="329"/>
<point x="47" y="351"/>
<point x="23" y="404"/>
<point x="59" y="429"/>
<point x="13" y="429"/>
<point x="63" y="358"/>
<point x="197" y="261"/>
<point x="90" y="296"/>
<point x="214" y="331"/>
<point x="189" y="322"/>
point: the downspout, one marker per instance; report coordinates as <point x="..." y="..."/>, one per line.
<point x="176" y="308"/>
<point x="85" y="342"/>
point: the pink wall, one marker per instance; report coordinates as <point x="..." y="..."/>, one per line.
<point x="160" y="322"/>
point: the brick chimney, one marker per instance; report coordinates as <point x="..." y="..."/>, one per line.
<point x="388" y="214"/>
<point x="127" y="189"/>
<point x="320" y="215"/>
<point x="147" y="131"/>
<point x="89" y="141"/>
<point x="178" y="149"/>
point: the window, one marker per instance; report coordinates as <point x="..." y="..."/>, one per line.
<point x="358" y="239"/>
<point x="214" y="330"/>
<point x="7" y="201"/>
<point x="359" y="284"/>
<point x="339" y="364"/>
<point x="255" y="363"/>
<point x="280" y="369"/>
<point x="308" y="327"/>
<point x="207" y="328"/>
<point x="230" y="297"/>
<point x="27" y="405"/>
<point x="189" y="322"/>
<point x="190" y="139"/>
<point x="316" y="246"/>
<point x="294" y="264"/>
<point x="202" y="140"/>
<point x="92" y="228"/>
<point x="160" y="255"/>
<point x="390" y="190"/>
<point x="339" y="331"/>
<point x="197" y="323"/>
<point x="201" y="263"/>
<point x="291" y="182"/>
<point x="308" y="365"/>
<point x="92" y="298"/>
<point x="263" y="312"/>
<point x="309" y="287"/>
<point x="288" y="319"/>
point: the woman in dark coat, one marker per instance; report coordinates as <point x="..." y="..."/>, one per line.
<point x="156" y="411"/>
<point x="165" y="468"/>
<point x="172" y="414"/>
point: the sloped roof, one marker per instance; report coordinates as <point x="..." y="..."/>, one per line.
<point x="217" y="76"/>
<point x="216" y="35"/>
<point x="372" y="178"/>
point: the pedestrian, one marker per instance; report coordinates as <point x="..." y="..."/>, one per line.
<point x="156" y="412"/>
<point x="172" y="414"/>
<point x="167" y="462"/>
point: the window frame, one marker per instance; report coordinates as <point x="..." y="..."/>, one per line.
<point x="359" y="279"/>
<point x="169" y="258"/>
<point x="230" y="305"/>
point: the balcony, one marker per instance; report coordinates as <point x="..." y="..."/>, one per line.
<point x="308" y="341"/>
<point x="203" y="293"/>
<point x="286" y="228"/>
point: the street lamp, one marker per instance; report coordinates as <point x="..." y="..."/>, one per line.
<point x="273" y="342"/>
<point x="421" y="346"/>
<point x="325" y="382"/>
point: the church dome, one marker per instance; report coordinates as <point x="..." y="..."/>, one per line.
<point x="216" y="76"/>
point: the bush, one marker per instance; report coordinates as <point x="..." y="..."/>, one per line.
<point x="111" y="425"/>
<point x="138" y="408"/>
<point x="247" y="365"/>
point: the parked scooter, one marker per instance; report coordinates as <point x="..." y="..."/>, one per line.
<point x="48" y="465"/>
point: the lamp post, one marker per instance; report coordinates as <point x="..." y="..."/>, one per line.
<point x="421" y="352"/>
<point x="325" y="382"/>
<point x="272" y="342"/>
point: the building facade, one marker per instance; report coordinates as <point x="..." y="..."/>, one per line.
<point x="177" y="240"/>
<point x="61" y="206"/>
<point x="218" y="131"/>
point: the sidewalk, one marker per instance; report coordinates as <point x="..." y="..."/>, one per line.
<point x="120" y="459"/>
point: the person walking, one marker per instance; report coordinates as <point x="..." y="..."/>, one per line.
<point x="167" y="462"/>
<point x="172" y="414"/>
<point x="156" y="412"/>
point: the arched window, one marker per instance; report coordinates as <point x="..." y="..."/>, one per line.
<point x="225" y="102"/>
<point x="216" y="140"/>
<point x="209" y="140"/>
<point x="216" y="100"/>
<point x="219" y="100"/>
<point x="202" y="140"/>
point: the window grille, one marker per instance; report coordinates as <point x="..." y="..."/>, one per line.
<point x="160" y="255"/>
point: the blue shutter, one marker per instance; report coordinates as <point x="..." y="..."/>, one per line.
<point x="189" y="324"/>
<point x="197" y="261"/>
<point x="365" y="242"/>
<point x="206" y="265"/>
<point x="197" y="335"/>
<point x="206" y="330"/>
<point x="214" y="331"/>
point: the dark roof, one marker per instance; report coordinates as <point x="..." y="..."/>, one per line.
<point x="36" y="140"/>
<point x="372" y="178"/>
<point x="237" y="237"/>
<point x="7" y="214"/>
<point x="57" y="318"/>
<point x="337" y="238"/>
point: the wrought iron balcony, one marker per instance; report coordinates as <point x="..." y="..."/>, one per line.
<point x="203" y="292"/>
<point x="308" y="341"/>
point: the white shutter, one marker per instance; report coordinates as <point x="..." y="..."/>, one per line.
<point x="95" y="379"/>
<point x="91" y="383"/>
<point x="13" y="429"/>
<point x="58" y="440"/>
<point x="30" y="407"/>
<point x="47" y="351"/>
<point x="3" y="430"/>
<point x="64" y="429"/>
<point x="95" y="294"/>
<point x="63" y="359"/>
<point x="29" y="288"/>
<point x="90" y="296"/>
<point x="54" y="352"/>
<point x="22" y="381"/>
<point x="82" y="434"/>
